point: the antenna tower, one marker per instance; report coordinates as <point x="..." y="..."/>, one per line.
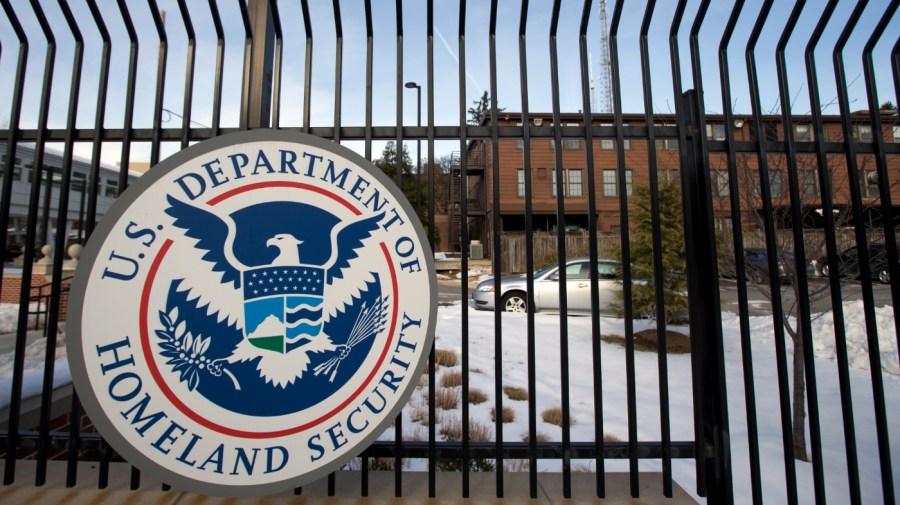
<point x="605" y="79"/>
<point x="593" y="85"/>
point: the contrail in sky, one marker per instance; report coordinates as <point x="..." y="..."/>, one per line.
<point x="455" y="58"/>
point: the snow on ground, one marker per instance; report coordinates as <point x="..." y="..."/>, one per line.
<point x="514" y="372"/>
<point x="33" y="376"/>
<point x="9" y="317"/>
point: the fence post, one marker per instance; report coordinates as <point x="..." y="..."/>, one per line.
<point x="707" y="353"/>
<point x="258" y="110"/>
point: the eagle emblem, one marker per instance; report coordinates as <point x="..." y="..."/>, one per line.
<point x="271" y="265"/>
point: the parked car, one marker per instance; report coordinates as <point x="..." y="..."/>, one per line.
<point x="756" y="262"/>
<point x="513" y="289"/>
<point x="848" y="263"/>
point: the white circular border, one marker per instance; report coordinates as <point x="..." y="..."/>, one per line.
<point x="89" y="261"/>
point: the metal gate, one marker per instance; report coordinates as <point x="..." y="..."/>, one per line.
<point x="93" y="57"/>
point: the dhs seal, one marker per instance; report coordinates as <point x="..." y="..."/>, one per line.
<point x="252" y="313"/>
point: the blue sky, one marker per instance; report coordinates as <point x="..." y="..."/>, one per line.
<point x="446" y="70"/>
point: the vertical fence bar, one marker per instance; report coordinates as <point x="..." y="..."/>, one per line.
<point x="529" y="254"/>
<point x="398" y="424"/>
<point x="831" y="248"/>
<point x="248" y="72"/>
<point x="881" y="423"/>
<point x="429" y="27"/>
<point x="659" y="274"/>
<point x="9" y="470"/>
<point x="160" y="81"/>
<point x="884" y="188"/>
<point x="561" y="191"/>
<point x="599" y="442"/>
<point x="706" y="326"/>
<point x="338" y="70"/>
<point x="739" y="265"/>
<point x="495" y="251"/>
<point x="220" y="65"/>
<point x="188" y="73"/>
<point x="61" y="229"/>
<point x="708" y="315"/>
<point x="364" y="478"/>
<point x="94" y="185"/>
<point x="128" y="124"/>
<point x="464" y="239"/>
<point x="803" y="339"/>
<point x="626" y="252"/>
<point x="307" y="65"/>
<point x="30" y="236"/>
<point x="369" y="65"/>
<point x="790" y="472"/>
<point x="276" y="68"/>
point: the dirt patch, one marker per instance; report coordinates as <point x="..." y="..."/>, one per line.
<point x="676" y="343"/>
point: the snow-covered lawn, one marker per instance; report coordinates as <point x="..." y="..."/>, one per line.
<point x="513" y="359"/>
<point x="515" y="373"/>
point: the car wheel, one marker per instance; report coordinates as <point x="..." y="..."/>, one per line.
<point x="825" y="270"/>
<point x="884" y="276"/>
<point x="515" y="302"/>
<point x="758" y="276"/>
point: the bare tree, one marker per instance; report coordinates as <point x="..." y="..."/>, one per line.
<point x="753" y="222"/>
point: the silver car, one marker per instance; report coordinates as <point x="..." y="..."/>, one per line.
<point x="513" y="289"/>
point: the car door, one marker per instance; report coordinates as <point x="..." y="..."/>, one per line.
<point x="547" y="290"/>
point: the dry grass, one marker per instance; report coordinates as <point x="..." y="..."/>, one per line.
<point x="477" y="396"/>
<point x="508" y="415"/>
<point x="451" y="430"/>
<point x="646" y="341"/>
<point x="554" y="416"/>
<point x="540" y="437"/>
<point x="516" y="394"/>
<point x="419" y="415"/>
<point x="451" y="379"/>
<point x="477" y="370"/>
<point x="611" y="438"/>
<point x="423" y="381"/>
<point x="443" y="357"/>
<point x="447" y="399"/>
<point x="416" y="434"/>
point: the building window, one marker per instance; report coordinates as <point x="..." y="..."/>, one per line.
<point x="775" y="184"/>
<point x="574" y="183"/>
<point x="862" y="132"/>
<point x="720" y="183"/>
<point x="610" y="144"/>
<point x="896" y="131"/>
<point x="810" y="183"/>
<point x="79" y="181"/>
<point x="520" y="182"/>
<point x="571" y="181"/>
<point x="520" y="143"/>
<point x="715" y="131"/>
<point x="110" y="188"/>
<point x="666" y="144"/>
<point x="803" y="133"/>
<point x="609" y="183"/>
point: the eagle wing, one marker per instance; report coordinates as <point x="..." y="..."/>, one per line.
<point x="345" y="283"/>
<point x="218" y="288"/>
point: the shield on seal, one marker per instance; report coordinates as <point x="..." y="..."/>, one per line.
<point x="282" y="306"/>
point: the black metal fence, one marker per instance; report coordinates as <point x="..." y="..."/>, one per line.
<point x="78" y="35"/>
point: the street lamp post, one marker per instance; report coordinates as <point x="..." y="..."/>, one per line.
<point x="418" y="89"/>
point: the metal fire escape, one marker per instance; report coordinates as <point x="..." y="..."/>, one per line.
<point x="474" y="190"/>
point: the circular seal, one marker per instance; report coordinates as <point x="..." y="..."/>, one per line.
<point x="252" y="313"/>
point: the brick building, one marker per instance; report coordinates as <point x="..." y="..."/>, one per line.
<point x="511" y="183"/>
